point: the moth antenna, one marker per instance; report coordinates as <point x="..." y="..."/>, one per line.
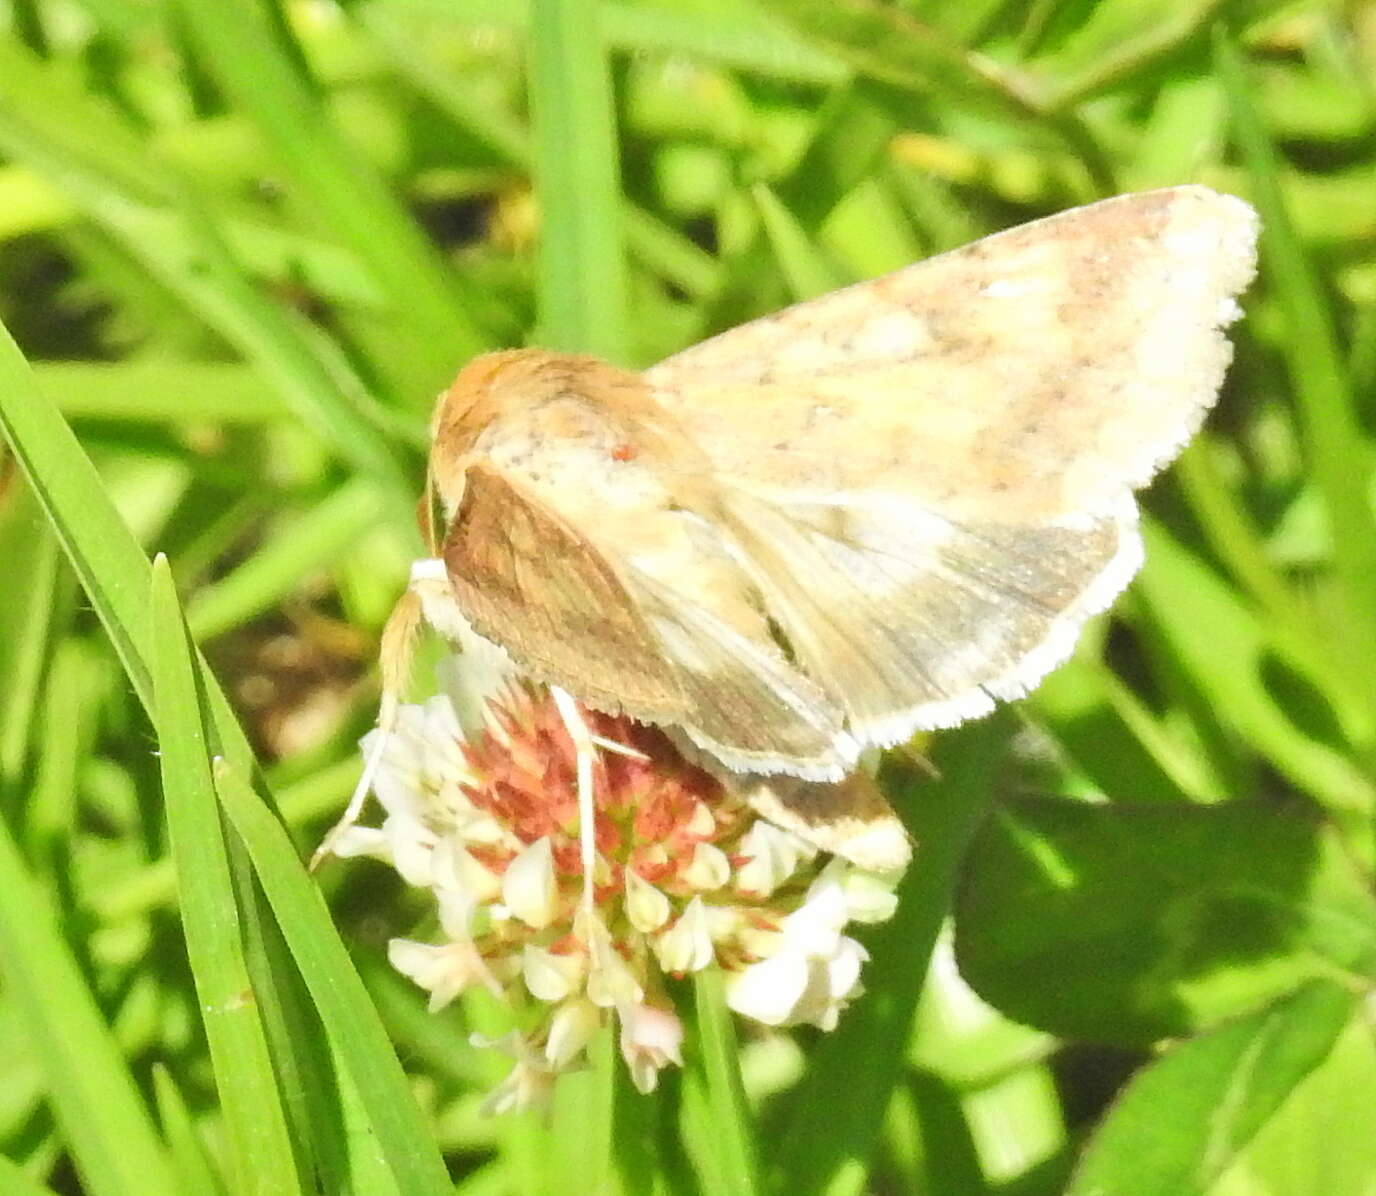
<point x="394" y="656"/>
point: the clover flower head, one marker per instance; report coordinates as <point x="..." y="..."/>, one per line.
<point x="686" y="877"/>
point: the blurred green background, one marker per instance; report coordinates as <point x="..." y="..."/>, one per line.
<point x="243" y="243"/>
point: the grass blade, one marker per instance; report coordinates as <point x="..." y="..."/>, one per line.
<point x="117" y="576"/>
<point x="104" y="1122"/>
<point x="300" y="546"/>
<point x="714" y="1096"/>
<point x="29" y="606"/>
<point x="194" y="1169"/>
<point x="1202" y="621"/>
<point x="198" y="266"/>
<point x="107" y="559"/>
<point x="1337" y="445"/>
<point x="159" y="391"/>
<point x="582" y="292"/>
<point x="804" y="267"/>
<point x="260" y="1147"/>
<point x="241" y="52"/>
<point x="356" y="1034"/>
<point x="838" y="1108"/>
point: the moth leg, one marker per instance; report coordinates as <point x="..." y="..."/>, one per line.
<point x="585" y="755"/>
<point x="398" y="647"/>
<point x="620" y="749"/>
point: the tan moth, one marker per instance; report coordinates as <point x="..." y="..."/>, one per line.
<point x="873" y="513"/>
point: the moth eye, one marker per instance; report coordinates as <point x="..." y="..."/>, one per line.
<point x="624" y="452"/>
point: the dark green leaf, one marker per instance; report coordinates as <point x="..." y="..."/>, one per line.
<point x="1129" y="923"/>
<point x="1186" y="1118"/>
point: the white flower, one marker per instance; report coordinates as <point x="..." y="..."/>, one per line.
<point x="490" y="826"/>
<point x="651" y="1039"/>
<point x="472" y="680"/>
<point x="529" y="888"/>
<point x="527" y="1084"/>
<point x="869" y="895"/>
<point x="361" y="841"/>
<point x="570" y="1030"/>
<point x="687" y="945"/>
<point x="709" y="868"/>
<point x="410" y="847"/>
<point x="550" y="977"/>
<point x="775" y="856"/>
<point x="815" y="926"/>
<point x="455" y="869"/>
<point x="769" y="991"/>
<point x="702" y="822"/>
<point x="832" y="982"/>
<point x="458" y="914"/>
<point x="812" y="969"/>
<point x="646" y="907"/>
<point x="444" y="971"/>
<point x="611" y="982"/>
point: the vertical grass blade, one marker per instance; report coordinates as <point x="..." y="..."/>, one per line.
<point x="398" y="1130"/>
<point x="838" y="1108"/>
<point x="582" y="280"/>
<point x="259" y="1144"/>
<point x="240" y="50"/>
<point x="714" y="1097"/>
<point x="107" y="559"/>
<point x="1338" y="447"/>
<point x="195" y="1172"/>
<point x="104" y="1122"/>
<point x="28" y="608"/>
<point x="116" y="575"/>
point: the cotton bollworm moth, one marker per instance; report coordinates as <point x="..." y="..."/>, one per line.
<point x="872" y="513"/>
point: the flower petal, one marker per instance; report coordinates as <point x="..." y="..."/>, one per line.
<point x="529" y="888"/>
<point x="444" y="971"/>
<point x="770" y="990"/>
<point x="815" y="927"/>
<point x="709" y="868"/>
<point x="550" y="977"/>
<point x="687" y="945"/>
<point x="646" y="907"/>
<point x="775" y="855"/>
<point x="651" y="1039"/>
<point x="611" y="982"/>
<point x="570" y="1030"/>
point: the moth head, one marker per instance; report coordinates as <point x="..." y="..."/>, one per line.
<point x="469" y="405"/>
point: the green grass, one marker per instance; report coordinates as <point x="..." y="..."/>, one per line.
<point x="243" y="245"/>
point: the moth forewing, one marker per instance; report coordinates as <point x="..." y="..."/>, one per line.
<point x="1041" y="372"/>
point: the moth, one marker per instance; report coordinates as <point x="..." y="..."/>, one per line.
<point x="873" y="513"/>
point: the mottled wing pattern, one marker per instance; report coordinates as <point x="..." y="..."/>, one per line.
<point x="850" y="818"/>
<point x="909" y="622"/>
<point x="1045" y="370"/>
<point x="928" y="476"/>
<point x="575" y="605"/>
<point x="531" y="583"/>
<point x="871" y="513"/>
